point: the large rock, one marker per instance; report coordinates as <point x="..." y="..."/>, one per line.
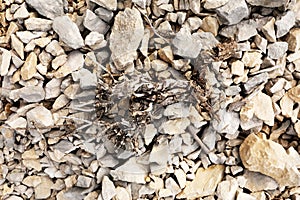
<point x="68" y="32"/>
<point x="204" y="184"/>
<point x="233" y="12"/>
<point x="125" y="38"/>
<point x="49" y="8"/>
<point x="267" y="3"/>
<point x="270" y="158"/>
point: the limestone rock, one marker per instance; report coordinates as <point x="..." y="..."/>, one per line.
<point x="233" y="12"/>
<point x="17" y="45"/>
<point x="40" y="116"/>
<point x="204" y="184"/>
<point x="174" y="127"/>
<point x="150" y="132"/>
<point x="213" y="4"/>
<point x="29" y="94"/>
<point x="38" y="24"/>
<point x="252" y="59"/>
<point x="185" y="44"/>
<point x="49" y="8"/>
<point x="277" y="50"/>
<point x="267" y="3"/>
<point x="227" y="189"/>
<point x="228" y="122"/>
<point x="284" y="25"/>
<point x="87" y="79"/>
<point x="244" y="196"/>
<point x="93" y="23"/>
<point x="255" y="181"/>
<point x="108" y="4"/>
<point x="74" y="62"/>
<point x="294" y="93"/>
<point x="28" y="70"/>
<point x="294" y="39"/>
<point x="5" y="57"/>
<point x="159" y="157"/>
<point x="95" y="40"/>
<point x="84" y="181"/>
<point x="68" y="32"/>
<point x="270" y="158"/>
<point x="263" y="108"/>
<point x="269" y="30"/>
<point x="126" y="35"/>
<point x="108" y="188"/>
<point x="41" y="184"/>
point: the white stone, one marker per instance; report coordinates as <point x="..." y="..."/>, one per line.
<point x="213" y="4"/>
<point x="150" y="132"/>
<point x="174" y="127"/>
<point x="93" y="23"/>
<point x="285" y="23"/>
<point x="263" y="108"/>
<point x="49" y="9"/>
<point x="109" y="4"/>
<point x="40" y="117"/>
<point x="233" y="12"/>
<point x="38" y="24"/>
<point x="227" y="189"/>
<point x="5" y="57"/>
<point x="237" y="68"/>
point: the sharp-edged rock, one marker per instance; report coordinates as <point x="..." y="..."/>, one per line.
<point x="49" y="8"/>
<point x="233" y="12"/>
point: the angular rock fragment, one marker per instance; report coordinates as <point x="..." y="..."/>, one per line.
<point x="87" y="80"/>
<point x="269" y="30"/>
<point x="263" y="108"/>
<point x="228" y="122"/>
<point x="17" y="45"/>
<point x="74" y="62"/>
<point x="227" y="189"/>
<point x="284" y="25"/>
<point x="294" y="39"/>
<point x="40" y="117"/>
<point x="49" y="8"/>
<point x="185" y="44"/>
<point x="38" y="24"/>
<point x="28" y="70"/>
<point x="150" y="132"/>
<point x="233" y="12"/>
<point x="29" y="94"/>
<point x="213" y="4"/>
<point x="27" y="36"/>
<point x="84" y="181"/>
<point x="22" y="12"/>
<point x="267" y="3"/>
<point x="108" y="4"/>
<point x="95" y="40"/>
<point x="93" y="23"/>
<point x="41" y="184"/>
<point x="68" y="32"/>
<point x="204" y="183"/>
<point x="126" y="35"/>
<point x="108" y="188"/>
<point x="5" y="57"/>
<point x="277" y="50"/>
<point x="174" y="127"/>
<point x="159" y="157"/>
<point x="270" y="158"/>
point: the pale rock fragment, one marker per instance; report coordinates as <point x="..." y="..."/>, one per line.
<point x="172" y="186"/>
<point x="109" y="4"/>
<point x="87" y="79"/>
<point x="285" y="23"/>
<point x="297" y="128"/>
<point x="131" y="171"/>
<point x="52" y="88"/>
<point x="255" y="81"/>
<point x="126" y="35"/>
<point x="181" y="177"/>
<point x="108" y="188"/>
<point x="174" y="127"/>
<point x="245" y="30"/>
<point x="42" y="42"/>
<point x="244" y="196"/>
<point x="294" y="39"/>
<point x="277" y="50"/>
<point x="104" y="14"/>
<point x="233" y="12"/>
<point x="58" y="61"/>
<point x="150" y="132"/>
<point x="41" y="184"/>
<point x="196" y="119"/>
<point x="204" y="183"/>
<point x="49" y="9"/>
<point x="263" y="108"/>
<point x="267" y="3"/>
<point x="237" y="68"/>
<point x="68" y="32"/>
<point x="210" y="24"/>
<point x="194" y="23"/>
<point x="207" y="40"/>
<point x="261" y="43"/>
<point x="213" y="4"/>
<point x="140" y="3"/>
<point x="255" y="181"/>
<point x="252" y="59"/>
<point x="159" y="65"/>
<point x="30" y="160"/>
<point x="195" y="6"/>
<point x="38" y="24"/>
<point x="17" y="45"/>
<point x="228" y="122"/>
<point x="176" y="110"/>
<point x="122" y="194"/>
<point x="22" y="12"/>
<point x="54" y="48"/>
<point x="271" y="159"/>
<point x="28" y="93"/>
<point x="95" y="40"/>
<point x="60" y="102"/>
<point x="227" y="189"/>
<point x="28" y="70"/>
<point x="294" y="93"/>
<point x="84" y="181"/>
<point x="5" y="58"/>
<point x="40" y="117"/>
<point x="159" y="157"/>
<point x="27" y="36"/>
<point x="185" y="44"/>
<point x="269" y="30"/>
<point x="166" y="54"/>
<point x="74" y="62"/>
<point x="93" y="23"/>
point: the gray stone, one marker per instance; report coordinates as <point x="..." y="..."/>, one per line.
<point x="84" y="181"/>
<point x="31" y="93"/>
<point x="95" y="40"/>
<point x="277" y="50"/>
<point x="254" y="81"/>
<point x="185" y="44"/>
<point x="38" y="24"/>
<point x="22" y="12"/>
<point x="87" y="80"/>
<point x="227" y="122"/>
<point x="255" y="181"/>
<point x="233" y="12"/>
<point x="49" y="8"/>
<point x="105" y="15"/>
<point x="213" y="4"/>
<point x="108" y="188"/>
<point x="285" y="24"/>
<point x="52" y="88"/>
<point x="207" y="40"/>
<point x="108" y="4"/>
<point x="126" y="35"/>
<point x="93" y="23"/>
<point x="68" y="32"/>
<point x="267" y="3"/>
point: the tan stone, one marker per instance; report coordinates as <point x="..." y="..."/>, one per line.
<point x="263" y="108"/>
<point x="5" y="58"/>
<point x="294" y="93"/>
<point x="204" y="184"/>
<point x="252" y="59"/>
<point x="269" y="30"/>
<point x="210" y="24"/>
<point x="271" y="159"/>
<point x="237" y="68"/>
<point x="28" y="70"/>
<point x="166" y="54"/>
<point x="294" y="39"/>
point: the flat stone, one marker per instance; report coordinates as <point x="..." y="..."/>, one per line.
<point x="267" y="3"/>
<point x="237" y="68"/>
<point x="185" y="44"/>
<point x="122" y="194"/>
<point x="150" y="132"/>
<point x="204" y="183"/>
<point x="95" y="40"/>
<point x="104" y="14"/>
<point x="233" y="12"/>
<point x="294" y="93"/>
<point x="52" y="88"/>
<point x="252" y="59"/>
<point x="5" y="57"/>
<point x="245" y="30"/>
<point x="38" y="24"/>
<point x="49" y="9"/>
<point x="294" y="39"/>
<point x="108" y="188"/>
<point x="125" y="38"/>
<point x="269" y="30"/>
<point x="174" y="127"/>
<point x="207" y="40"/>
<point x="284" y="24"/>
<point x="54" y="48"/>
<point x="261" y="43"/>
<point x="131" y="171"/>
<point x="213" y="4"/>
<point x="17" y="45"/>
<point x="244" y="196"/>
<point x="27" y="36"/>
<point x="159" y="157"/>
<point x="28" y="70"/>
<point x="29" y="94"/>
<point x="108" y="4"/>
<point x="41" y="184"/>
<point x="228" y="122"/>
<point x="195" y="118"/>
<point x="40" y="116"/>
<point x="93" y="23"/>
<point x="255" y="81"/>
<point x="84" y="181"/>
<point x="263" y="108"/>
<point x="87" y="80"/>
<point x="60" y="102"/>
<point x="68" y="32"/>
<point x="210" y="24"/>
<point x="271" y="159"/>
<point x="166" y="54"/>
<point x="227" y="189"/>
<point x="22" y="12"/>
<point x="74" y="62"/>
<point x="255" y="181"/>
<point x="159" y="65"/>
<point x="277" y="50"/>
